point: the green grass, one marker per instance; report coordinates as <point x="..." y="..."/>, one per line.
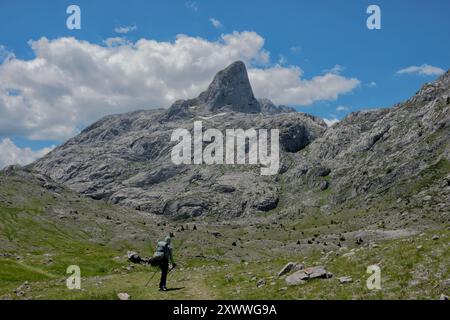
<point x="400" y="261"/>
<point x="30" y="229"/>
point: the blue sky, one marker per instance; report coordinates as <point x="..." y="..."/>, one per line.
<point x="314" y="36"/>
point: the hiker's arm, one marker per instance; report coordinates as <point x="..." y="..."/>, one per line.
<point x="171" y="256"/>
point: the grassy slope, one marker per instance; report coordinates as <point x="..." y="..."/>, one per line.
<point x="400" y="260"/>
<point x="225" y="265"/>
<point x="42" y="232"/>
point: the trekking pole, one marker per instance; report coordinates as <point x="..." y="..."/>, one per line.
<point x="170" y="270"/>
<point x="151" y="278"/>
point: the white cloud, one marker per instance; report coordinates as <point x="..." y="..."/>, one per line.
<point x="284" y="85"/>
<point x="342" y="108"/>
<point x="5" y="54"/>
<point x="282" y="59"/>
<point x="337" y="69"/>
<point x="71" y="83"/>
<point x="424" y="69"/>
<point x="192" y="5"/>
<point x="216" y="23"/>
<point x="12" y="154"/>
<point x="372" y="84"/>
<point x="125" y="29"/>
<point x="116" y="41"/>
<point x="330" y="122"/>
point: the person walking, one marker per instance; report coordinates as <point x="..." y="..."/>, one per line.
<point x="166" y="251"/>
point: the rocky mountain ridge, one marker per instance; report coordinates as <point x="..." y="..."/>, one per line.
<point x="125" y="158"/>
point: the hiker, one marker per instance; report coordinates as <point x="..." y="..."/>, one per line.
<point x="164" y="252"/>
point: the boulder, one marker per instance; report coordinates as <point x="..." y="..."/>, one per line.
<point x="123" y="296"/>
<point x="317" y="272"/>
<point x="260" y="283"/>
<point x="289" y="267"/>
<point x="348" y="254"/>
<point x="296" y="278"/>
<point x="346" y="279"/>
<point x="301" y="276"/>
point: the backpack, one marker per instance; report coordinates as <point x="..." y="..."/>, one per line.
<point x="160" y="253"/>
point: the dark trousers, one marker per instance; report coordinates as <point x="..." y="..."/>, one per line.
<point x="164" y="266"/>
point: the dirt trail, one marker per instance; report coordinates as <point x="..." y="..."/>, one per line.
<point x="195" y="285"/>
<point x="200" y="290"/>
<point x="36" y="270"/>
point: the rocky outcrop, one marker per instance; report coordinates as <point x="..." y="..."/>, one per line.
<point x="290" y="266"/>
<point x="301" y="276"/>
<point x="231" y="88"/>
<point x="381" y="154"/>
<point x="269" y="107"/>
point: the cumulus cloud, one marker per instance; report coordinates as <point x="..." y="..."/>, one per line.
<point x="5" y="54"/>
<point x="284" y="85"/>
<point x="125" y="29"/>
<point x="71" y="83"/>
<point x="12" y="154"/>
<point x="424" y="69"/>
<point x="330" y="122"/>
<point x="216" y="23"/>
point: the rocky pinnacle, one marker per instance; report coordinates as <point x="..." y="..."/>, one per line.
<point x="231" y="87"/>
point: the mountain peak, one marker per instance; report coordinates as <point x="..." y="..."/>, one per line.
<point x="231" y="87"/>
